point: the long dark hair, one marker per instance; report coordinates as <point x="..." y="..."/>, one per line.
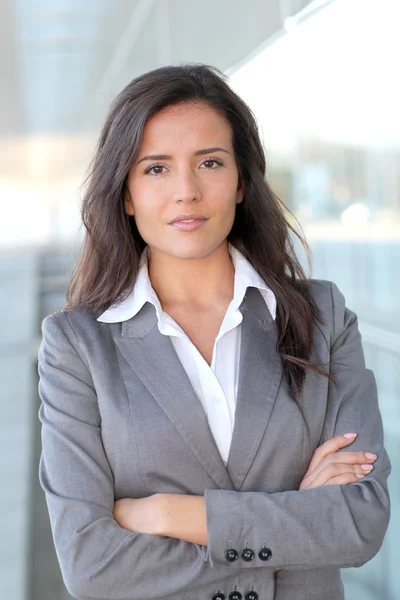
<point x="109" y="259"/>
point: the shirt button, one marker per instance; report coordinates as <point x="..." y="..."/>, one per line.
<point x="235" y="596"/>
<point x="265" y="553"/>
<point x="231" y="555"/>
<point x="251" y="596"/>
<point x="247" y="555"/>
<point x="218" y="596"/>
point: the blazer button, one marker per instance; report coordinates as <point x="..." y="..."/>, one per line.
<point x="247" y="555"/>
<point x="251" y="596"/>
<point x="265" y="553"/>
<point x="235" y="596"/>
<point x="231" y="555"/>
<point x="219" y="596"/>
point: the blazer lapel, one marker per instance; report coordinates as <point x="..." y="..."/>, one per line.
<point x="259" y="379"/>
<point x="152" y="357"/>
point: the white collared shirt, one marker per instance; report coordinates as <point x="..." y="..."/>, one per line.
<point x="216" y="385"/>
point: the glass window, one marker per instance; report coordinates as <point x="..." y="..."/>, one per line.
<point x="327" y="100"/>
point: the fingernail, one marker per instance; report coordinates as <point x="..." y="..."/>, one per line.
<point x="370" y="455"/>
<point x="359" y="475"/>
<point x="350" y="435"/>
<point x="367" y="467"/>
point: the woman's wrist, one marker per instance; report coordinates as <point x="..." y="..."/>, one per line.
<point x="182" y="517"/>
<point x="162" y="516"/>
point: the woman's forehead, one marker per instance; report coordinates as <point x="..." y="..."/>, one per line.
<point x="186" y="124"/>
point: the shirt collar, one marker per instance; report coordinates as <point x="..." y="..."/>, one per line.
<point x="142" y="292"/>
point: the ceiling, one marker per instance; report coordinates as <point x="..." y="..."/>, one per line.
<point x="62" y="61"/>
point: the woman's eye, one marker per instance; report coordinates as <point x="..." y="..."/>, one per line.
<point x="210" y="162"/>
<point x="155" y="170"/>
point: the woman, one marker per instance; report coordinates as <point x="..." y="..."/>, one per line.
<point x="197" y="390"/>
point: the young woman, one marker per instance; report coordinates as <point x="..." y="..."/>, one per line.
<point x="197" y="390"/>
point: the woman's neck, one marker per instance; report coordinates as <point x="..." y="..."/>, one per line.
<point x="192" y="282"/>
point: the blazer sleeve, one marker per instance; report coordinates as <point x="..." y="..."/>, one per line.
<point x="98" y="558"/>
<point x="333" y="525"/>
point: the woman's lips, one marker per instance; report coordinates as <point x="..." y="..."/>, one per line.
<point x="188" y="224"/>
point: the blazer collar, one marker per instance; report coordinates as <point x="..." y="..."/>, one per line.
<point x="152" y="357"/>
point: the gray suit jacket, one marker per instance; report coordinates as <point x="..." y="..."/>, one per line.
<point x="120" y="419"/>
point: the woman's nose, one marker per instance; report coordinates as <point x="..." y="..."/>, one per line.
<point x="186" y="188"/>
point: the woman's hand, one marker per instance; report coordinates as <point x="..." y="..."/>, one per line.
<point x="330" y="467"/>
<point x="141" y="515"/>
<point x="180" y="516"/>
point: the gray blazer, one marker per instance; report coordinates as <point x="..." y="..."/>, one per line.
<point x="120" y="419"/>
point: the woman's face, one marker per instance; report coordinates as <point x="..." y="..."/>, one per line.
<point x="185" y="169"/>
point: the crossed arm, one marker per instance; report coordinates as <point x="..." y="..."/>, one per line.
<point x="184" y="517"/>
<point x="336" y="525"/>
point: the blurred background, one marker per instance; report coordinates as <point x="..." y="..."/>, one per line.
<point x="320" y="77"/>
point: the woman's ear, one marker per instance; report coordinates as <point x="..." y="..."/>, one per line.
<point x="128" y="204"/>
<point x="240" y="192"/>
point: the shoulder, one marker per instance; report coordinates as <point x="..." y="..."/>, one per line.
<point x="71" y="323"/>
<point x="325" y="293"/>
<point x="331" y="302"/>
<point x="74" y="333"/>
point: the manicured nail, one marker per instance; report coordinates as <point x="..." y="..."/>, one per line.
<point x="359" y="475"/>
<point x="367" y="467"/>
<point x="350" y="435"/>
<point x="370" y="455"/>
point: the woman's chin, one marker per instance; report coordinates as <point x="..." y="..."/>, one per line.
<point x="188" y="251"/>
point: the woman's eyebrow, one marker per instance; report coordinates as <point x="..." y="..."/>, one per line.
<point x="168" y="157"/>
